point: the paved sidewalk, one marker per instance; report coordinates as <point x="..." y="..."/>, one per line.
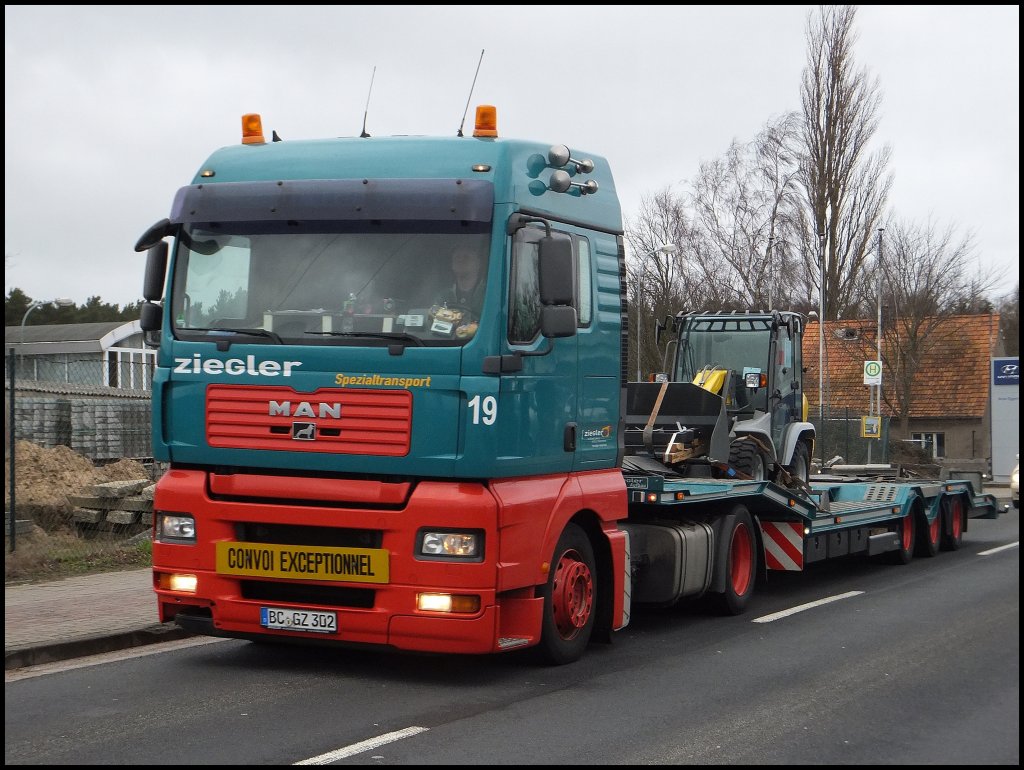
<point x="48" y="622"/>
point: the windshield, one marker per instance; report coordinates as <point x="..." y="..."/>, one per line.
<point x="739" y="345"/>
<point x="318" y="283"/>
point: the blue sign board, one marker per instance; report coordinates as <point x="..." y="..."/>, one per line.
<point x="1006" y="371"/>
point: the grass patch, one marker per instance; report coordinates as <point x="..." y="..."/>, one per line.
<point x="42" y="556"/>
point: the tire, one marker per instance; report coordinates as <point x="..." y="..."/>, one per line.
<point x="954" y="522"/>
<point x="745" y="457"/>
<point x="569" y="599"/>
<point x="800" y="467"/>
<point x="929" y="534"/>
<point x="907" y="531"/>
<point x="739" y="561"/>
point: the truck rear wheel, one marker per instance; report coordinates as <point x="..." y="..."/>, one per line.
<point x="740" y="564"/>
<point x="952" y="515"/>
<point x="569" y="599"/>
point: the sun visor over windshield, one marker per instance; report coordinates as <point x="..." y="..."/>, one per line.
<point x="334" y="200"/>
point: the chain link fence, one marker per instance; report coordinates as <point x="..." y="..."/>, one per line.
<point x="78" y="473"/>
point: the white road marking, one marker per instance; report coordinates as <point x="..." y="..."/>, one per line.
<point x="1015" y="544"/>
<point x="356" y="748"/>
<point x="802" y="607"/>
<point x="57" y="667"/>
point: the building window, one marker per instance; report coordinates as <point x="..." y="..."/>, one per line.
<point x="932" y="443"/>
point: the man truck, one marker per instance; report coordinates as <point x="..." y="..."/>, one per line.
<point x="352" y="461"/>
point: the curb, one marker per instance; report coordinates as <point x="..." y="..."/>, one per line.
<point x="22" y="657"/>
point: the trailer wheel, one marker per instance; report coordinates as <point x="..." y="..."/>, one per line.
<point x="745" y="457"/>
<point x="907" y="531"/>
<point x="930" y="534"/>
<point x="740" y="565"/>
<point x="569" y="596"/>
<point x="953" y="517"/>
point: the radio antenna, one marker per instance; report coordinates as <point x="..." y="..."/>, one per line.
<point x="364" y="134"/>
<point x="471" y="92"/>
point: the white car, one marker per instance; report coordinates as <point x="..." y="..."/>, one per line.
<point x="1015" y="484"/>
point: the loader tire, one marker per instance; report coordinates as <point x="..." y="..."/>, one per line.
<point x="800" y="467"/>
<point x="746" y="457"/>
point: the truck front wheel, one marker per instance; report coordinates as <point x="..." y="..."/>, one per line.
<point x="569" y="599"/>
<point x="740" y="564"/>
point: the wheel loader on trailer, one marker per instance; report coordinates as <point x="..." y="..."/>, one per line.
<point x="352" y="460"/>
<point x="733" y="402"/>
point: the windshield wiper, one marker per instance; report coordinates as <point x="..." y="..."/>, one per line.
<point x="401" y="336"/>
<point x="224" y="344"/>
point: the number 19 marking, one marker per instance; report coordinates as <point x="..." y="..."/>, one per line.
<point x="487" y="406"/>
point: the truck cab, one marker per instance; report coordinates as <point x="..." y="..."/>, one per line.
<point x="327" y="387"/>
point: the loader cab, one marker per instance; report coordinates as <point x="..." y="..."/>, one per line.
<point x="753" y="361"/>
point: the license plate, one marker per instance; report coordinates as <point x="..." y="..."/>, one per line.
<point x="288" y="619"/>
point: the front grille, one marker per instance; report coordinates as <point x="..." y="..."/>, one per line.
<point x="336" y="420"/>
<point x="294" y="534"/>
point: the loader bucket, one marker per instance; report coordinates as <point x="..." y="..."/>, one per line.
<point x="658" y="411"/>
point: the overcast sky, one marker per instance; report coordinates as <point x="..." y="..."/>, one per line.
<point x="110" y="109"/>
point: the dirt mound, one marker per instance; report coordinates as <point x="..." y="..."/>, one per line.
<point x="46" y="477"/>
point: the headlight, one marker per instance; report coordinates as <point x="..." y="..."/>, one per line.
<point x="452" y="545"/>
<point x="175" y="528"/>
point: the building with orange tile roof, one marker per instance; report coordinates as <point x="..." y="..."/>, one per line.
<point x="944" y="399"/>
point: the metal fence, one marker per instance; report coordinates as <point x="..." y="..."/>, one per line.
<point x="79" y="470"/>
<point x="840" y="435"/>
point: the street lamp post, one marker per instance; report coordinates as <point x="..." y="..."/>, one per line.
<point x="821" y="332"/>
<point x="665" y="248"/>
<point x="59" y="302"/>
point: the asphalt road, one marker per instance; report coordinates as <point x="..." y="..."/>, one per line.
<point x="915" y="664"/>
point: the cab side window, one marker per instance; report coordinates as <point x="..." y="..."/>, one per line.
<point x="524" y="293"/>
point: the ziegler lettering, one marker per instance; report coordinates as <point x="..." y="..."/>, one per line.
<point x="235" y="366"/>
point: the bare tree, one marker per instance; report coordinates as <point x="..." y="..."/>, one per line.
<point x="1009" y="320"/>
<point x="846" y="185"/>
<point x="925" y="286"/>
<point x="746" y="211"/>
<point x="658" y="284"/>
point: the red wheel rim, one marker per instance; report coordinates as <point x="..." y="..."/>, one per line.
<point x="956" y="516"/>
<point x="934" y="529"/>
<point x="908" y="533"/>
<point x="741" y="559"/>
<point x="572" y="596"/>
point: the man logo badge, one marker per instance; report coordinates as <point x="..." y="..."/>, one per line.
<point x="304" y="431"/>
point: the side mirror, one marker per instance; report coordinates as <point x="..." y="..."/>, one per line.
<point x="156" y="269"/>
<point x="151" y="317"/>
<point x="558" y="321"/>
<point x="555" y="270"/>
